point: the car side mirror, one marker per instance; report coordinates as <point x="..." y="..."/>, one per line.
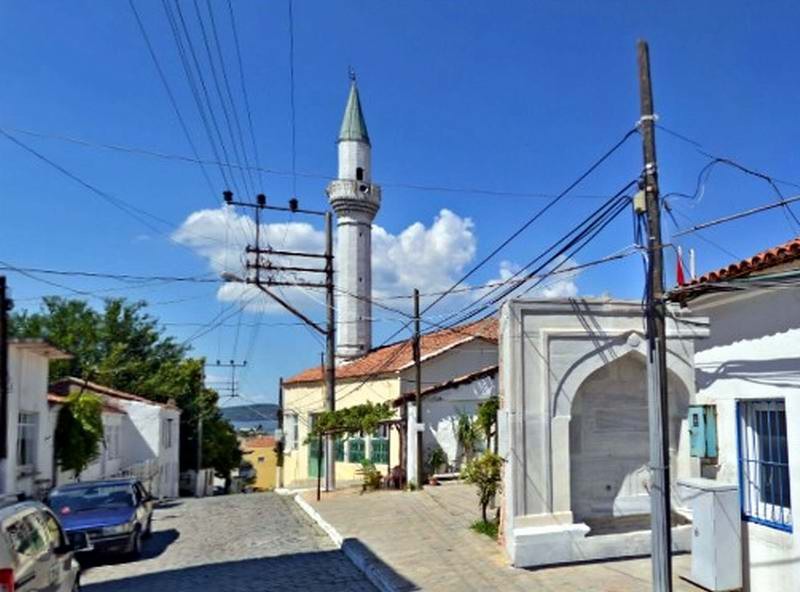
<point x="78" y="541"/>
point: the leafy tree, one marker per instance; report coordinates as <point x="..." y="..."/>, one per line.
<point x="486" y="419"/>
<point x="485" y="473"/>
<point x="79" y="431"/>
<point x="467" y="434"/>
<point x="351" y="421"/>
<point x="124" y="347"/>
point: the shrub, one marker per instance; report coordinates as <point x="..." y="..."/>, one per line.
<point x="468" y="435"/>
<point x="485" y="473"/>
<point x="79" y="432"/>
<point x="436" y="459"/>
<point x="370" y="476"/>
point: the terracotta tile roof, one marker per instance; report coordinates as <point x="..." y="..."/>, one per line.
<point x="54" y="399"/>
<point x="398" y="356"/>
<point x="62" y="387"/>
<point x="765" y="260"/>
<point x="259" y="442"/>
<point x="453" y="382"/>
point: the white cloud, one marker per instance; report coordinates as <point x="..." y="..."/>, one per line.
<point x="430" y="258"/>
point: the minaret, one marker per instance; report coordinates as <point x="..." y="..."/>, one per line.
<point x="355" y="200"/>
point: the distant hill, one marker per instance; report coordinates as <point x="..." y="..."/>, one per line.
<point x="261" y="412"/>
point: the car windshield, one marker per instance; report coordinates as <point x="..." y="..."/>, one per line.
<point x="92" y="497"/>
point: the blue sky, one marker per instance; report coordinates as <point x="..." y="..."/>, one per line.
<point x="516" y="98"/>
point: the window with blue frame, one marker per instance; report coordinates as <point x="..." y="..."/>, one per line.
<point x="764" y="463"/>
<point x="356" y="452"/>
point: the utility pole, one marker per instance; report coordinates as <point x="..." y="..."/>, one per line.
<point x="658" y="407"/>
<point x="5" y="306"/>
<point x="266" y="264"/>
<point x="232" y="388"/>
<point x="282" y="439"/>
<point x="418" y="388"/>
<point x="330" y="352"/>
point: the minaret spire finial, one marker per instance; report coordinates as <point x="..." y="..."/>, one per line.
<point x="351" y="73"/>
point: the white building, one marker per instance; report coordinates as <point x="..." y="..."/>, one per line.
<point x="749" y="370"/>
<point x="28" y="468"/>
<point x="148" y="435"/>
<point x="574" y="428"/>
<point x="442" y="406"/>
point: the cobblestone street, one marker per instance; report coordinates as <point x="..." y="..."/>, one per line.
<point x="237" y="543"/>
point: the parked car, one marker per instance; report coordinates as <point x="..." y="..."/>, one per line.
<point x="35" y="553"/>
<point x="114" y="514"/>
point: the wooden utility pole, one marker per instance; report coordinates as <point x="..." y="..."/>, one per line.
<point x="658" y="407"/>
<point x="281" y="443"/>
<point x="418" y="389"/>
<point x="330" y="353"/>
<point x="5" y="306"/>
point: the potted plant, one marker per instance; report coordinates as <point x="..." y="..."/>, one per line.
<point x="436" y="460"/>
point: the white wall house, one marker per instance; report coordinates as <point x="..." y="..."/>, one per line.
<point x="573" y="428"/>
<point x="442" y="405"/>
<point x="749" y="370"/>
<point x="148" y="435"/>
<point x="28" y="468"/>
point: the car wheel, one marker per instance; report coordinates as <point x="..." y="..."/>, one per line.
<point x="136" y="545"/>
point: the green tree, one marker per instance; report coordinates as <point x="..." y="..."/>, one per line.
<point x="124" y="347"/>
<point x="486" y="419"/>
<point x="79" y="432"/>
<point x="467" y="434"/>
<point x="485" y="472"/>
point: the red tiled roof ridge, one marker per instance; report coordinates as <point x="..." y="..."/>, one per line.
<point x="773" y="257"/>
<point x="64" y="383"/>
<point x="396" y="356"/>
<point x="54" y="399"/>
<point x="259" y="442"/>
<point x="457" y="381"/>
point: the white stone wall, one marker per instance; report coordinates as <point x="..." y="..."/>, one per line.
<point x="28" y="374"/>
<point x="551" y="351"/>
<point x="753" y="352"/>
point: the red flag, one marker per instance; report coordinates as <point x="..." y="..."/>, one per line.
<point x="679" y="273"/>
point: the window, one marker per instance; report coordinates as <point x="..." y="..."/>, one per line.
<point x="26" y="440"/>
<point x="356" y="452"/>
<point x="167" y="433"/>
<point x="262" y="459"/>
<point x="764" y="464"/>
<point x="339" y="449"/>
<point x="380" y="446"/>
<point x="359" y="174"/>
<point x="112" y="441"/>
<point x="26" y="537"/>
<point x="290" y="431"/>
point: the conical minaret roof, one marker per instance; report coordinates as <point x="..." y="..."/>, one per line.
<point x="354" y="127"/>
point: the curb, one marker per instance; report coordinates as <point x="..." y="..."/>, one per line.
<point x="364" y="560"/>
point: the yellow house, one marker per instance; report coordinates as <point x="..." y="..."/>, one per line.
<point x="380" y="376"/>
<point x="260" y="452"/>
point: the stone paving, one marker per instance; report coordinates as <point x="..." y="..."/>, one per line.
<point x="424" y="539"/>
<point x="236" y="543"/>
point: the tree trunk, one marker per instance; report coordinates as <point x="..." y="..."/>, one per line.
<point x="483" y="512"/>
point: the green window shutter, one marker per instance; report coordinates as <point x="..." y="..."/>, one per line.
<point x="380" y="451"/>
<point x="356" y="450"/>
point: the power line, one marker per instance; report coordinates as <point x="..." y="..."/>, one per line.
<point x="736" y="216"/>
<point x="218" y="88"/>
<point x="536" y="216"/>
<point x="244" y="92"/>
<point x="171" y="96"/>
<point x="291" y="99"/>
<point x="270" y="171"/>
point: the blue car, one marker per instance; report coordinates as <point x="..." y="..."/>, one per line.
<point x="114" y="514"/>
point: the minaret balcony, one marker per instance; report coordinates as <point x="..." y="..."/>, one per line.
<point x="351" y="194"/>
